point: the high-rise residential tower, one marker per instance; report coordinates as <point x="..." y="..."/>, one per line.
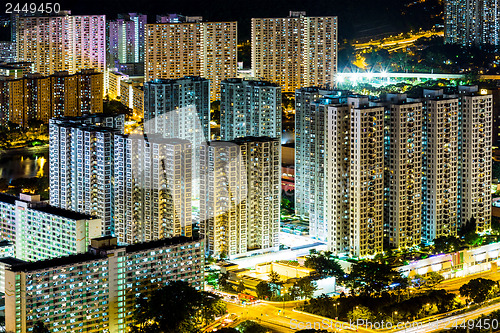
<point x="240" y="195"/>
<point x="474" y="166"/>
<point x="403" y="171"/>
<point x="250" y="108"/>
<point x="152" y="184"/>
<point x="179" y="108"/>
<point x="439" y="165"/>
<point x="62" y="43"/>
<point x="469" y="22"/>
<point x="126" y="38"/>
<point x="354" y="164"/>
<point x="295" y="52"/>
<point x="309" y="158"/>
<point x="81" y="165"/>
<point x="206" y="49"/>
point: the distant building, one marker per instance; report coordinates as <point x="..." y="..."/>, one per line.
<point x="62" y="42"/>
<point x="250" y="108"/>
<point x="206" y="49"/>
<point x="7" y="52"/>
<point x="40" y="231"/>
<point x="38" y="97"/>
<point x="472" y="22"/>
<point x="97" y="288"/>
<point x="126" y="38"/>
<point x="296" y="51"/>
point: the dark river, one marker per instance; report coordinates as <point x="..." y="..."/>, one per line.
<point x="24" y="163"/>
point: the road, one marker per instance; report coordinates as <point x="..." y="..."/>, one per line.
<point x="403" y="41"/>
<point x="287" y="321"/>
<point x="453" y="285"/>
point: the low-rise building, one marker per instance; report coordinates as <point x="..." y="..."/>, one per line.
<point x="96" y="291"/>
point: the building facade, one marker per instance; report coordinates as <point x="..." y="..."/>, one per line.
<point x="96" y="291"/>
<point x="439" y="165"/>
<point x="40" y="231"/>
<point x="475" y="161"/>
<point x="249" y="108"/>
<point x="81" y="151"/>
<point x="62" y="43"/>
<point x="38" y="97"/>
<point x="403" y="171"/>
<point x="295" y="52"/>
<point x="126" y="38"/>
<point x="472" y="22"/>
<point x="152" y="178"/>
<point x="206" y="49"/>
<point x="240" y="195"/>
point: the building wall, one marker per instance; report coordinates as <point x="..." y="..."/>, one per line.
<point x="84" y="287"/>
<point x="250" y="108"/>
<point x="295" y="52"/>
<point x="175" y="50"/>
<point x="59" y="43"/>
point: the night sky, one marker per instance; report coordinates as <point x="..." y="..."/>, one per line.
<point x="357" y="18"/>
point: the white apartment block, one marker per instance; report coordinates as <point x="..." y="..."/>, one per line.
<point x="126" y="38"/>
<point x="295" y="52"/>
<point x="439" y="165"/>
<point x="250" y="108"/>
<point x="403" y="172"/>
<point x="62" y="43"/>
<point x="207" y="49"/>
<point x="152" y="178"/>
<point x="309" y="158"/>
<point x="96" y="291"/>
<point x="179" y="109"/>
<point x="40" y="231"/>
<point x="81" y="165"/>
<point x="475" y="162"/>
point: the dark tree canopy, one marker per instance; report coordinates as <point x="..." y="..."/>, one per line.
<point x="176" y="307"/>
<point x="368" y="277"/>
<point x="324" y="264"/>
<point x="478" y="290"/>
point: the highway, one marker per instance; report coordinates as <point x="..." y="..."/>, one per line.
<point x="398" y="42"/>
<point x="453" y="285"/>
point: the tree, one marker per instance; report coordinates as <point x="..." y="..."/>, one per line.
<point x="446" y="244"/>
<point x="324" y="264"/>
<point x="263" y="290"/>
<point x="306" y="287"/>
<point x="368" y="277"/>
<point x="360" y="312"/>
<point x="432" y="279"/>
<point x="251" y="327"/>
<point x="176" y="307"/>
<point x="241" y="287"/>
<point x="40" y="327"/>
<point x="478" y="290"/>
<point x="274" y="278"/>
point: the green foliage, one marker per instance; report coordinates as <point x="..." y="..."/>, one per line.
<point x="432" y="279"/>
<point x="324" y="264"/>
<point x="305" y="287"/>
<point x="40" y="327"/>
<point x="224" y="285"/>
<point x="115" y="107"/>
<point x="447" y="244"/>
<point x="241" y="287"/>
<point x="479" y="290"/>
<point x="264" y="290"/>
<point x="176" y="307"/>
<point x="215" y="111"/>
<point x="368" y="277"/>
<point x="251" y="327"/>
<point x="360" y="312"/>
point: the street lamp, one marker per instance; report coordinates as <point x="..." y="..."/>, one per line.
<point x="336" y="314"/>
<point x="394" y="313"/>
